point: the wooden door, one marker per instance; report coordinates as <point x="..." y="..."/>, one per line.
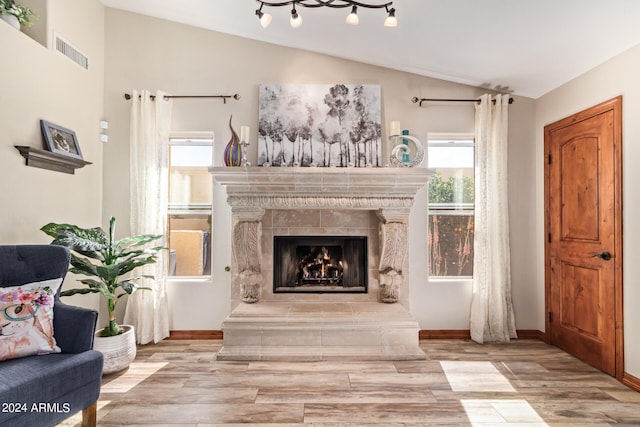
<point x="583" y="220"/>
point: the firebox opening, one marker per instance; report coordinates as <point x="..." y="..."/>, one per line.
<point x="320" y="264"/>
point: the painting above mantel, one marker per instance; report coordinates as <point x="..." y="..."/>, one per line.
<point x="320" y="125"/>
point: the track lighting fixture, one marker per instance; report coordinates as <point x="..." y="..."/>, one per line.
<point x="352" y="18"/>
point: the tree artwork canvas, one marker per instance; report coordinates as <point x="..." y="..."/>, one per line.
<point x="319" y="125"/>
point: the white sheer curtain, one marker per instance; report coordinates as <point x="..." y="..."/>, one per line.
<point x="492" y="317"/>
<point x="146" y="310"/>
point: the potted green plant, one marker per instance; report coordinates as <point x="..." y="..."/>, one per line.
<point x="15" y="14"/>
<point x="108" y="264"/>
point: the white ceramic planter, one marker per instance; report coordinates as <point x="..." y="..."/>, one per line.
<point x="11" y="19"/>
<point x="118" y="351"/>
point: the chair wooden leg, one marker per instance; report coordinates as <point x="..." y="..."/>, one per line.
<point x="89" y="415"/>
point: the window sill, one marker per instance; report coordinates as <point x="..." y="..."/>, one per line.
<point x="189" y="280"/>
<point x="450" y="280"/>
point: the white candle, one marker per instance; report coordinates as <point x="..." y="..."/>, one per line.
<point x="244" y="133"/>
<point x="394" y="128"/>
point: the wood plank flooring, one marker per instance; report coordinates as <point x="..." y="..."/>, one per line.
<point x="524" y="383"/>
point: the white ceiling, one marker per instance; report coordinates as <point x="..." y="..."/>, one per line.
<point x="528" y="47"/>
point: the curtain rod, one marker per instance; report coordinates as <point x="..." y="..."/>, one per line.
<point x="415" y="99"/>
<point x="127" y="96"/>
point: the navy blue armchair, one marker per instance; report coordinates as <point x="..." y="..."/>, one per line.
<point x="42" y="390"/>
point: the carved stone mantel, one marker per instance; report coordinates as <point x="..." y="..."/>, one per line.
<point x="314" y="187"/>
<point x="387" y="191"/>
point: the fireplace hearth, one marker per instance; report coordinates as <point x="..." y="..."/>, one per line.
<point x="320" y="264"/>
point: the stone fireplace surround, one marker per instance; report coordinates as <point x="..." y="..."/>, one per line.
<point x="272" y="201"/>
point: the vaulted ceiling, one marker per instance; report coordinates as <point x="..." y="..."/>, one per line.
<point x="526" y="47"/>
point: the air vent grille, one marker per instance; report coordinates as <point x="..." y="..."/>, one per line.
<point x="72" y="53"/>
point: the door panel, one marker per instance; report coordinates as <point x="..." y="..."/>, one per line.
<point x="583" y="224"/>
<point x="580" y="297"/>
<point x="579" y="187"/>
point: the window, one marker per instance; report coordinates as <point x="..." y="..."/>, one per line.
<point x="190" y="204"/>
<point x="451" y="206"/>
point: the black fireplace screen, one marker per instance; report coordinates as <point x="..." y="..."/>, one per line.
<point x="320" y="264"/>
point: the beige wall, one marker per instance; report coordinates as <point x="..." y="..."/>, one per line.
<point x="148" y="53"/>
<point x="39" y="83"/>
<point x="618" y="76"/>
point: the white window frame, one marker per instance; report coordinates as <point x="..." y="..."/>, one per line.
<point x="445" y="140"/>
<point x="190" y="138"/>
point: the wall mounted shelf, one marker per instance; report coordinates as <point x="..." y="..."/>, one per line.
<point x="52" y="161"/>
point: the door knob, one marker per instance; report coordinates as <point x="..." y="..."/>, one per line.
<point x="604" y="255"/>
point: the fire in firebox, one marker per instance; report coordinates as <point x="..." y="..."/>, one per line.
<point x="320" y="264"/>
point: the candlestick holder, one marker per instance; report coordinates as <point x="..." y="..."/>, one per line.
<point x="401" y="153"/>
<point x="243" y="161"/>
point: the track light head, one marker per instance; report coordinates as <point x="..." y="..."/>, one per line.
<point x="391" y="20"/>
<point x="352" y="18"/>
<point x="265" y="18"/>
<point x="295" y="20"/>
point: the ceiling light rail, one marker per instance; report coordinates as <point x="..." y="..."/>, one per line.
<point x="224" y="98"/>
<point x="419" y="101"/>
<point x="352" y="17"/>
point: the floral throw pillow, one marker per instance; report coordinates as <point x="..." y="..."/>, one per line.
<point x="26" y="319"/>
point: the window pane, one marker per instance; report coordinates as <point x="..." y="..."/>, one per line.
<point x="191" y="155"/>
<point x="450" y="244"/>
<point x="450" y="156"/>
<point x="189" y="179"/>
<point x="189" y="244"/>
<point x="190" y="207"/>
<point x="451" y="188"/>
<point x="451" y="204"/>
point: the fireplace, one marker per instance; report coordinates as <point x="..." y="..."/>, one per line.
<point x="323" y="312"/>
<point x="320" y="264"/>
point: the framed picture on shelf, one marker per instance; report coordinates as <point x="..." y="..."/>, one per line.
<point x="60" y="140"/>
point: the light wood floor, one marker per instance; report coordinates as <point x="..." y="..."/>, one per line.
<point x="524" y="383"/>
